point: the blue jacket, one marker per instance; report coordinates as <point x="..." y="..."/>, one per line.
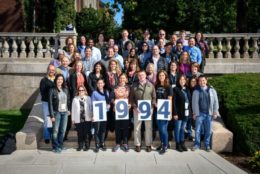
<point x="195" y="54"/>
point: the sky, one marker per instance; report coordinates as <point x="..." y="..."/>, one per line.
<point x="118" y="16"/>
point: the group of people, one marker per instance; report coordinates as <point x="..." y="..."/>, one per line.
<point x="171" y="70"/>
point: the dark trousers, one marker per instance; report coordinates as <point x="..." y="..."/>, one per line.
<point x="68" y="127"/>
<point x="122" y="128"/>
<point x="100" y="131"/>
<point x="84" y="133"/>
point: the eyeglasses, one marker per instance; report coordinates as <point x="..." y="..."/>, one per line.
<point x="144" y="45"/>
<point x="81" y="90"/>
<point x="162" y="34"/>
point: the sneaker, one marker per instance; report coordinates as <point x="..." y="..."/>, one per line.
<point x="103" y="147"/>
<point x="163" y="150"/>
<point x="86" y="148"/>
<point x="125" y="147"/>
<point x="148" y="149"/>
<point x="116" y="148"/>
<point x="79" y="148"/>
<point x="137" y="148"/>
<point x="184" y="148"/>
<point x="194" y="148"/>
<point x="207" y="149"/>
<point x="63" y="148"/>
<point x="96" y="150"/>
<point x="56" y="150"/>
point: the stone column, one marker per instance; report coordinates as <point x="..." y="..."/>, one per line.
<point x="47" y="54"/>
<point x="219" y="54"/>
<point x="237" y="47"/>
<point x="23" y="47"/>
<point x="211" y="48"/>
<point x="6" y="49"/>
<point x="39" y="53"/>
<point x="245" y="48"/>
<point x="228" y="53"/>
<point x="255" y="46"/>
<point x="31" y="48"/>
<point x="14" y="53"/>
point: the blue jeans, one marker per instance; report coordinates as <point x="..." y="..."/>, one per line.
<point x="189" y="127"/>
<point x="59" y="129"/>
<point x="46" y="131"/>
<point x="162" y="127"/>
<point x="206" y="120"/>
<point x="179" y="129"/>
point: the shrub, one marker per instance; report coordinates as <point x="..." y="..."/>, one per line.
<point x="239" y="96"/>
<point x="255" y="161"/>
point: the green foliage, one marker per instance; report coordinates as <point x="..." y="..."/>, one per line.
<point x="28" y="6"/>
<point x="91" y="22"/>
<point x="12" y="120"/>
<point x="64" y="14"/>
<point x="255" y="161"/>
<point x="239" y="96"/>
<point x="173" y="15"/>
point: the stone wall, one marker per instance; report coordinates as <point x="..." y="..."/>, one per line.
<point x="19" y="83"/>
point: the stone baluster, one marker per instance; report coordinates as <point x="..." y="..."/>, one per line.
<point x="245" y="49"/>
<point x="219" y="54"/>
<point x="1" y="48"/>
<point x="23" y="47"/>
<point x="6" y="50"/>
<point x="31" y="48"/>
<point x="255" y="46"/>
<point x="47" y="53"/>
<point x="228" y="53"/>
<point x="211" y="48"/>
<point x="14" y="53"/>
<point x="39" y="49"/>
<point x="237" y="47"/>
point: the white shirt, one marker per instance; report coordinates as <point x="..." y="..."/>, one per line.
<point x="155" y="62"/>
<point x="96" y="53"/>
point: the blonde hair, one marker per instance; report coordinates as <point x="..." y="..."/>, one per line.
<point x="118" y="71"/>
<point x="82" y="86"/>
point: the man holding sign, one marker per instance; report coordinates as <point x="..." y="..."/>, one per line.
<point x="142" y="99"/>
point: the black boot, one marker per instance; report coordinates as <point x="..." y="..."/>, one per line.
<point x="97" y="148"/>
<point x="80" y="146"/>
<point x="87" y="145"/>
<point x="178" y="147"/>
<point x="184" y="148"/>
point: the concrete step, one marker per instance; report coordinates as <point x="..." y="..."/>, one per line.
<point x="110" y="141"/>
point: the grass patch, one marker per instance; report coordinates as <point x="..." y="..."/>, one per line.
<point x="239" y="96"/>
<point x="12" y="120"/>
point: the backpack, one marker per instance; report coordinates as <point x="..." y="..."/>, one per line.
<point x="8" y="144"/>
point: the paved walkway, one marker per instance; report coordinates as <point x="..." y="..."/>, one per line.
<point x="73" y="162"/>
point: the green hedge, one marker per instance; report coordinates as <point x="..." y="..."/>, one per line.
<point x="239" y="96"/>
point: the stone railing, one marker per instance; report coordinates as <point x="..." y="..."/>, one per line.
<point x="233" y="45"/>
<point x="32" y="45"/>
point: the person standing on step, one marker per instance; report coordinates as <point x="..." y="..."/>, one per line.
<point x="181" y="111"/>
<point x="205" y="108"/>
<point x="59" y="108"/>
<point x="143" y="90"/>
<point x="101" y="93"/>
<point x="121" y="91"/>
<point x="46" y="84"/>
<point x="81" y="116"/>
<point x="163" y="91"/>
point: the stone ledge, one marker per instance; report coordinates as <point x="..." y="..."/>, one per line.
<point x="23" y="67"/>
<point x="31" y="133"/>
<point x="222" y="138"/>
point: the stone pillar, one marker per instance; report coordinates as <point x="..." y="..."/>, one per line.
<point x="245" y="48"/>
<point x="228" y="54"/>
<point x="39" y="53"/>
<point x="255" y="46"/>
<point x="211" y="48"/>
<point x="23" y="47"/>
<point x="14" y="53"/>
<point x="219" y="54"/>
<point x="31" y="48"/>
<point x="47" y="54"/>
<point x="6" y="50"/>
<point x="237" y="47"/>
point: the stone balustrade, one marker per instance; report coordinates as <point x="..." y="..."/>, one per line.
<point x="233" y="45"/>
<point x="32" y="45"/>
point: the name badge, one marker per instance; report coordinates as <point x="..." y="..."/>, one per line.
<point x="63" y="106"/>
<point x="173" y="85"/>
<point x="186" y="105"/>
<point x="186" y="113"/>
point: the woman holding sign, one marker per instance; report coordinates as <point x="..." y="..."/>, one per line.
<point x="121" y="91"/>
<point x="81" y="116"/>
<point x="163" y="91"/>
<point x="181" y="111"/>
<point x="99" y="117"/>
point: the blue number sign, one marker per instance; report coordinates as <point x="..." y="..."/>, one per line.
<point x="145" y="111"/>
<point x="99" y="111"/>
<point x="163" y="109"/>
<point x="121" y="109"/>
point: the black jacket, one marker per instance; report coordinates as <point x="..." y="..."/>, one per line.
<point x="54" y="100"/>
<point x="73" y="84"/>
<point x="179" y="102"/>
<point x="161" y="64"/>
<point x="45" y="86"/>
